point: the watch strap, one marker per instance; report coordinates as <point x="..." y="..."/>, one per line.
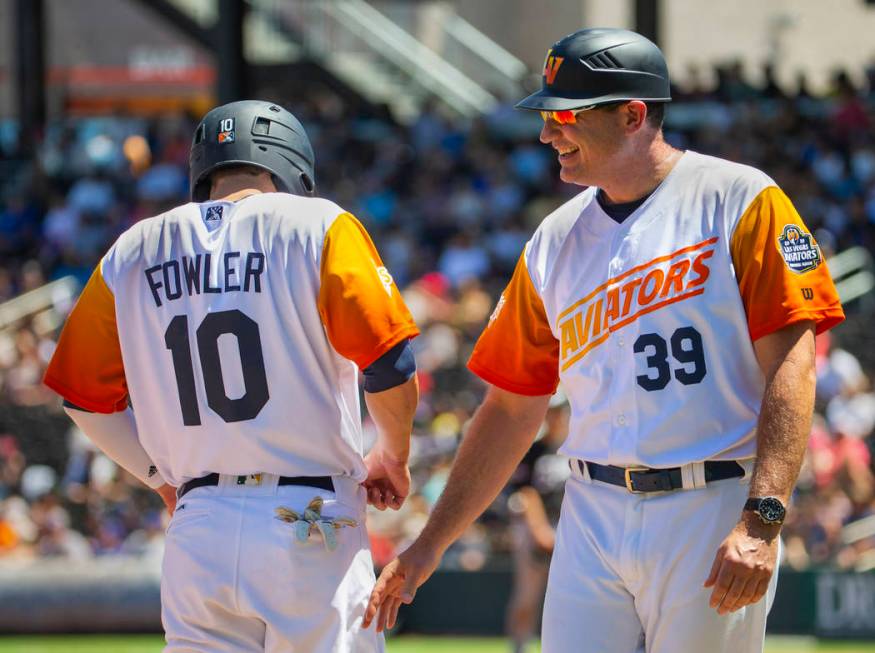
<point x="752" y="504"/>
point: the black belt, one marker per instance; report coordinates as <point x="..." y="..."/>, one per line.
<point x="321" y="482"/>
<point x="644" y="479"/>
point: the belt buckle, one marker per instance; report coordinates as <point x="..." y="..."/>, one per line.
<point x="249" y="479"/>
<point x="627" y="476"/>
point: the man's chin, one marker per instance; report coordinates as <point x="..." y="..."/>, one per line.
<point x="570" y="175"/>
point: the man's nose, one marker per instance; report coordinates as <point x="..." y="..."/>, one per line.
<point x="548" y="131"/>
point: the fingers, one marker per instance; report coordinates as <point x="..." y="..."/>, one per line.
<point x="753" y="592"/>
<point x="387" y="586"/>
<point x="721" y="586"/>
<point x="741" y="570"/>
<point x="732" y="599"/>
<point x="374" y="604"/>
<point x="375" y="497"/>
<point x="383" y="496"/>
<point x="715" y="567"/>
<point x="736" y="587"/>
<point x="370" y="612"/>
<point x="745" y="597"/>
<point x="761" y="588"/>
<point x="397" y="584"/>
<point x="388" y="613"/>
<point x="396" y="502"/>
<point x="168" y="496"/>
<point x="393" y="614"/>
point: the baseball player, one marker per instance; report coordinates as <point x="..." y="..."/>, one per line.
<point x="217" y="348"/>
<point x="676" y="298"/>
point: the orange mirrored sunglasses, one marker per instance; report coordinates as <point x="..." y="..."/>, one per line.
<point x="568" y="117"/>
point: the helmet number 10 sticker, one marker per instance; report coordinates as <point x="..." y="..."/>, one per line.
<point x="226" y="130"/>
<point x="686" y="349"/>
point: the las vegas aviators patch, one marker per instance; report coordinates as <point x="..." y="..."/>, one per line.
<point x="800" y="252"/>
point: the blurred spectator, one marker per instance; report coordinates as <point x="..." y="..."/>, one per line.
<point x="537" y="487"/>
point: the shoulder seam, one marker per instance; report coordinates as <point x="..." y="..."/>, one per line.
<point x="746" y="208"/>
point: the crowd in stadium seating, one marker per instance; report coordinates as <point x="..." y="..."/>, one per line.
<point x="450" y="207"/>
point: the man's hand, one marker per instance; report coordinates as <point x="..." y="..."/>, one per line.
<point x="743" y="565"/>
<point x="388" y="481"/>
<point x="168" y="495"/>
<point x="398" y="583"/>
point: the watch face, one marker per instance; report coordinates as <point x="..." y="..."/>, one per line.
<point x="771" y="509"/>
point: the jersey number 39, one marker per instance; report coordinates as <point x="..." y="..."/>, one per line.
<point x="686" y="349"/>
<point x="245" y="330"/>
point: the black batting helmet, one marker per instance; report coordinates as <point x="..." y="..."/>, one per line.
<point x="598" y="66"/>
<point x="256" y="133"/>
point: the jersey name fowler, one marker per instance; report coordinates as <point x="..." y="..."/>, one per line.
<point x="618" y="302"/>
<point x="193" y="275"/>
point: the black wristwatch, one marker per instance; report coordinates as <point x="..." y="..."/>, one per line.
<point x="770" y="510"/>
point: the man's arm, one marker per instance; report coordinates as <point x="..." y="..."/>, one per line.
<point x="787" y="358"/>
<point x="392" y="410"/>
<point x="115" y="434"/>
<point x="746" y="559"/>
<point x="499" y="435"/>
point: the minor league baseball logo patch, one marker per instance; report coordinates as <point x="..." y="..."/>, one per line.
<point x="214" y="213"/>
<point x="226" y="131"/>
<point x="800" y="252"/>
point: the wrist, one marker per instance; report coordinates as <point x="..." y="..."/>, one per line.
<point x="397" y="454"/>
<point x="761" y="490"/>
<point x="430" y="544"/>
<point x="751" y="525"/>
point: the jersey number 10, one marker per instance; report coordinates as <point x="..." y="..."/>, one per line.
<point x="245" y="330"/>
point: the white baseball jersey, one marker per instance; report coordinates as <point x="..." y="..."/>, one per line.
<point x="649" y="324"/>
<point x="235" y="329"/>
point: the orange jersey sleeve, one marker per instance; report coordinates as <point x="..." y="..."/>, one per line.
<point x="517" y="350"/>
<point x="86" y="368"/>
<point x="360" y="305"/>
<point x="780" y="269"/>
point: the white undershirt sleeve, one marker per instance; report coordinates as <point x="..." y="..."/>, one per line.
<point x="116" y="436"/>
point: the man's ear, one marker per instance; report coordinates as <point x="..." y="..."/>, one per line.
<point x="634" y="115"/>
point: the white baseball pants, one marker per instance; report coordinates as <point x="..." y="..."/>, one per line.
<point x="235" y="578"/>
<point x="627" y="572"/>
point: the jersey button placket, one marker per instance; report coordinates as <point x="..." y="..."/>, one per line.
<point x="615" y="359"/>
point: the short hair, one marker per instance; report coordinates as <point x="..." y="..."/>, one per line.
<point x="655" y="114"/>
<point x="235" y="169"/>
<point x="655" y="111"/>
